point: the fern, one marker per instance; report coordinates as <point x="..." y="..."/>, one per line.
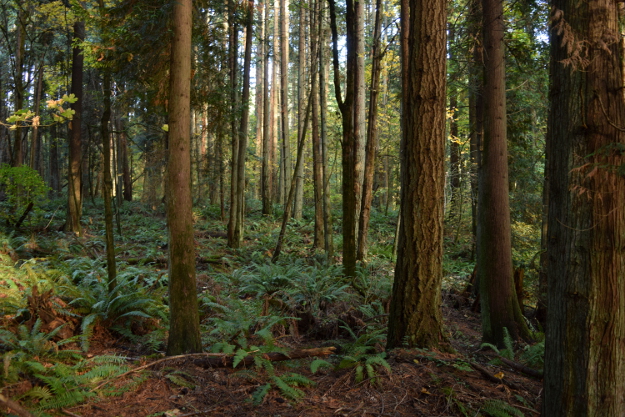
<point x="258" y="396"/>
<point x="499" y="408"/>
<point x="318" y="363"/>
<point x="286" y="388"/>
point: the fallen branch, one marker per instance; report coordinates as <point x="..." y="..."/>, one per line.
<point x="19" y="410"/>
<point x="227" y="360"/>
<point x="220" y="360"/>
<point x="493" y="378"/>
<point x="522" y="368"/>
<point x="168" y="358"/>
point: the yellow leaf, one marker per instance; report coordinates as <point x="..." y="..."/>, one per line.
<point x="425" y="391"/>
<point x="165" y="128"/>
<point x="499" y="375"/>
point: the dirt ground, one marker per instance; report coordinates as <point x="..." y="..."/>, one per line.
<point x="421" y="383"/>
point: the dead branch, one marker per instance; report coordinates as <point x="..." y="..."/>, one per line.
<point x="19" y="410"/>
<point x="227" y="360"/>
<point x="493" y="378"/>
<point x="522" y="368"/>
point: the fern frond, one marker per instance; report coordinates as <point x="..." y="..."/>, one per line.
<point x="287" y="390"/>
<point x="318" y="363"/>
<point x="258" y="396"/>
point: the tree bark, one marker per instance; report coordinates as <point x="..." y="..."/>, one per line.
<point x="286" y="165"/>
<point x="266" y="178"/>
<point x="317" y="146"/>
<point x="234" y="237"/>
<point x="500" y="307"/>
<point x="184" y="330"/>
<point x="372" y="138"/>
<point x="107" y="188"/>
<point x="584" y="356"/>
<point x="415" y="314"/>
<point x="74" y="204"/>
<point x="301" y="107"/>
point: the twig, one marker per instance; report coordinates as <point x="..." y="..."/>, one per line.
<point x="169" y="358"/>
<point x="19" y="410"/>
<point x="69" y="413"/>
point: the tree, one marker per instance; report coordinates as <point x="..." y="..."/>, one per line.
<point x="184" y="330"/>
<point x="500" y="307"/>
<point x="74" y="192"/>
<point x="372" y="138"/>
<point x="584" y="356"/>
<point x="415" y="314"/>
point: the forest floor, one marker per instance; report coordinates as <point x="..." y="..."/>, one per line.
<point x="243" y="306"/>
<point x="420" y="383"/>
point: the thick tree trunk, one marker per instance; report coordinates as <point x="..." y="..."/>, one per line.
<point x="74" y="204"/>
<point x="415" y="315"/>
<point x="500" y="307"/>
<point x="184" y="330"/>
<point x="584" y="355"/>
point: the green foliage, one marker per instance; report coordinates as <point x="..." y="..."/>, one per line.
<point x="534" y="355"/>
<point x="22" y="185"/>
<point x="508" y="351"/>
<point x="499" y="408"/>
<point x="128" y="300"/>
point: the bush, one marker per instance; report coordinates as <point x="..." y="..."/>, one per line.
<point x="23" y="186"/>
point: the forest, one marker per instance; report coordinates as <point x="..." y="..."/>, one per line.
<point x="312" y="208"/>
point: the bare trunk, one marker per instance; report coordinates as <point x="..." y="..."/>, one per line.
<point x="372" y="138"/>
<point x="500" y="307"/>
<point x="184" y="330"/>
<point x="75" y="142"/>
<point x="415" y="316"/>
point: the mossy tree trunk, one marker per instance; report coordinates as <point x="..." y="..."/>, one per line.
<point x="184" y="330"/>
<point x="584" y="355"/>
<point x="415" y="314"/>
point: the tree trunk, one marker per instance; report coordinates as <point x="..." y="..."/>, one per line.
<point x="74" y="192"/>
<point x="18" y="152"/>
<point x="323" y="117"/>
<point x="107" y="189"/>
<point x="455" y="204"/>
<point x="476" y="107"/>
<point x="35" y="140"/>
<point x="348" y="146"/>
<point x="584" y="355"/>
<point x="500" y="307"/>
<point x="301" y="107"/>
<point x="234" y="238"/>
<point x="266" y="179"/>
<point x="243" y="135"/>
<point x="184" y="330"/>
<point x="317" y="146"/>
<point x="287" y="169"/>
<point x="372" y="138"/>
<point x="415" y="314"/>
